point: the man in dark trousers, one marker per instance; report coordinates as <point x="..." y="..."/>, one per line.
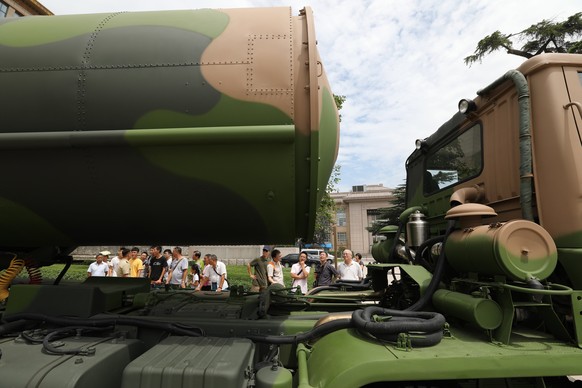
<point x="158" y="266"/>
<point x="325" y="271"/>
<point x="260" y="278"/>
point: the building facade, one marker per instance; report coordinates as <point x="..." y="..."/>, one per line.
<point x="356" y="210"/>
<point x="17" y="8"/>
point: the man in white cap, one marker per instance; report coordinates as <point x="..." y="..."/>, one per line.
<point x="105" y="258"/>
<point x="113" y="263"/>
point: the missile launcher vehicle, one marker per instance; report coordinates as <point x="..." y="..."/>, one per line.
<point x="479" y="285"/>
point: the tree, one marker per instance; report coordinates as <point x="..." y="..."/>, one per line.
<point x="389" y="215"/>
<point x="339" y="102"/>
<point x="324" y="218"/>
<point x="544" y="37"/>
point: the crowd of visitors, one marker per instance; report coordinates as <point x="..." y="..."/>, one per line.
<point x="170" y="269"/>
<point x="265" y="272"/>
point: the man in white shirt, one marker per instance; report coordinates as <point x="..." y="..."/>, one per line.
<point x="178" y="269"/>
<point x="349" y="269"/>
<point x="275" y="269"/>
<point x="300" y="273"/>
<point x="113" y="263"/>
<point x="168" y="257"/>
<point x="215" y="272"/>
<point x="98" y="267"/>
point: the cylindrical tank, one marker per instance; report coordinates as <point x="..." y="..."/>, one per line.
<point x="485" y="313"/>
<point x="416" y="229"/>
<point x="517" y="249"/>
<point x="274" y="377"/>
<point x="200" y="126"/>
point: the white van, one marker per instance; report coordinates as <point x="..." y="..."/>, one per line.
<point x="316" y="252"/>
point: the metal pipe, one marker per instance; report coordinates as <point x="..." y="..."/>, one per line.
<point x="466" y="194"/>
<point x="302" y="355"/>
<point x="525" y="151"/>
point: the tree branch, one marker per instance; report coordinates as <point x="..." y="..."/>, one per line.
<point x="524" y="54"/>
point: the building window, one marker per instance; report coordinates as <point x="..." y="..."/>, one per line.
<point x="3" y="9"/>
<point x="358" y="189"/>
<point x="342" y="238"/>
<point x="341" y="217"/>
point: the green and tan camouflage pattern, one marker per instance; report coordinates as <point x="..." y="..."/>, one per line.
<point x="518" y="249"/>
<point x="555" y="92"/>
<point x="201" y="126"/>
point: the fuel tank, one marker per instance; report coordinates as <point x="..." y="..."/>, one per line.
<point x="200" y="126"/>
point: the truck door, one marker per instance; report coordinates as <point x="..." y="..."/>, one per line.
<point x="573" y="77"/>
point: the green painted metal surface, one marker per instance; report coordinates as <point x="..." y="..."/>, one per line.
<point x="381" y="250"/>
<point x="517" y="249"/>
<point x="359" y="360"/>
<point x="482" y="312"/>
<point x="274" y="377"/>
<point x="26" y="365"/>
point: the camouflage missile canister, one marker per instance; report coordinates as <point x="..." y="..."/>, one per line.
<point x="119" y="127"/>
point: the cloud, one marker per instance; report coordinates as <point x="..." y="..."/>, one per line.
<point x="400" y="64"/>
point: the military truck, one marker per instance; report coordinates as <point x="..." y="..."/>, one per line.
<point x="478" y="285"/>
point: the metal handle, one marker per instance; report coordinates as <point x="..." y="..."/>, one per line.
<point x="576" y="104"/>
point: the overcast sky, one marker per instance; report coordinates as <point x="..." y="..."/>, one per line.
<point x="399" y="64"/>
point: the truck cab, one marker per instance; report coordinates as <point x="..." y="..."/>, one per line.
<point x="515" y="148"/>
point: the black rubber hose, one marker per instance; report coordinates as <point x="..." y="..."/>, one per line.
<point x="436" y="276"/>
<point x="100" y="321"/>
<point x="319" y="331"/>
<point x="427" y="244"/>
<point x="64" y="332"/>
<point x="395" y="243"/>
<point x="13" y="326"/>
<point x="408" y="254"/>
<point x="415" y="320"/>
<point x="427" y="327"/>
<point x="363" y="284"/>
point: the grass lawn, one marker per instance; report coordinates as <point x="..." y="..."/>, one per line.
<point x="237" y="274"/>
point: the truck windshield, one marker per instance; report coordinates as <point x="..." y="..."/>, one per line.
<point x="456" y="161"/>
